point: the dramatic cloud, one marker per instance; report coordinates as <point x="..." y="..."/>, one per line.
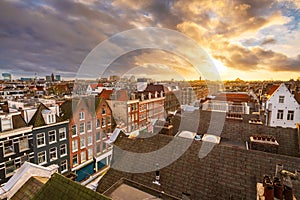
<point x="55" y="36"/>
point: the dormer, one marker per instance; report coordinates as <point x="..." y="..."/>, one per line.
<point x="6" y="123"/>
<point x="49" y="116"/>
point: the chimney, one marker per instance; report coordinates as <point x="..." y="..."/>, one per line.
<point x="5" y="107"/>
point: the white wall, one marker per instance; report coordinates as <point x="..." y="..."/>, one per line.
<point x="289" y="104"/>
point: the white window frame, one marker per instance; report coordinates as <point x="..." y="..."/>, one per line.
<point x="13" y="148"/>
<point x="63" y="146"/>
<point x="89" y="126"/>
<point x="81" y="116"/>
<point x="64" y="163"/>
<point x="90" y="154"/>
<point x="82" y="144"/>
<point x="53" y="151"/>
<point x="76" y="130"/>
<point x="38" y="157"/>
<point x="89" y="140"/>
<point x="38" y="138"/>
<point x="12" y="166"/>
<point x="73" y="145"/>
<point x="62" y="131"/>
<point x="82" y="125"/>
<point x="98" y="133"/>
<point x="75" y="155"/>
<point x="82" y="155"/>
<point x="98" y="123"/>
<point x="51" y="132"/>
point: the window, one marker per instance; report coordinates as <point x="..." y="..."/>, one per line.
<point x="98" y="148"/>
<point x="98" y="123"/>
<point x="74" y="145"/>
<point x="42" y="157"/>
<point x="103" y="111"/>
<point x="280" y="114"/>
<point x="89" y="126"/>
<point x="81" y="128"/>
<point x="81" y="116"/>
<point x="53" y="154"/>
<point x="40" y="138"/>
<point x="82" y="142"/>
<point x="74" y="130"/>
<point x="63" y="150"/>
<point x="6" y="123"/>
<point x="108" y="120"/>
<point x="90" y="140"/>
<point x="103" y="135"/>
<point x="103" y="122"/>
<point x="23" y="143"/>
<point x="23" y="159"/>
<point x="281" y="99"/>
<point x="83" y="156"/>
<point x="52" y="136"/>
<point x="9" y="168"/>
<point x="75" y="160"/>
<point x="104" y="146"/>
<point x="62" y="133"/>
<point x="63" y="166"/>
<point x="90" y="153"/>
<point x="290" y="115"/>
<point x="8" y="147"/>
<point x="98" y="136"/>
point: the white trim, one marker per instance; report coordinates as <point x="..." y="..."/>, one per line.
<point x="104" y="155"/>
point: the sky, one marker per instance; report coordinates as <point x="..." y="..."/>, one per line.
<point x="246" y="39"/>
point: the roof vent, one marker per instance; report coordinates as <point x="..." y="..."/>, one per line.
<point x="186" y="134"/>
<point x="211" y="138"/>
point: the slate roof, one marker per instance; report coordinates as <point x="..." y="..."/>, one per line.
<point x="227" y="172"/>
<point x="18" y="121"/>
<point x="37" y="120"/>
<point x="59" y="187"/>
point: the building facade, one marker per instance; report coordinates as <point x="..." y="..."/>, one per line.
<point x="50" y="139"/>
<point x="281" y="107"/>
<point x="16" y="144"/>
<point x="90" y="124"/>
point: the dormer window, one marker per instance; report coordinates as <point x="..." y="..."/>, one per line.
<point x="49" y="116"/>
<point x="6" y="123"/>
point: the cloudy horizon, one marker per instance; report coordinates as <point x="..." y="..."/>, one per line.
<point x="250" y="40"/>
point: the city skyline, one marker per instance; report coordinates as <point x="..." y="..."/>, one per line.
<point x="258" y="40"/>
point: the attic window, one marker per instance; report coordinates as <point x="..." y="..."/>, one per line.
<point x="281" y="99"/>
<point x="49" y="116"/>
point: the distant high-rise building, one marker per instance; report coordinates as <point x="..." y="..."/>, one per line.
<point x="57" y="77"/>
<point x="6" y="76"/>
<point x="48" y="78"/>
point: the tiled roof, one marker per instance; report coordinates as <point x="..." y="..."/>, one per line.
<point x="105" y="94"/>
<point x="154" y="88"/>
<point x="234" y="97"/>
<point x="60" y="187"/>
<point x="272" y="89"/>
<point x="297" y="97"/>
